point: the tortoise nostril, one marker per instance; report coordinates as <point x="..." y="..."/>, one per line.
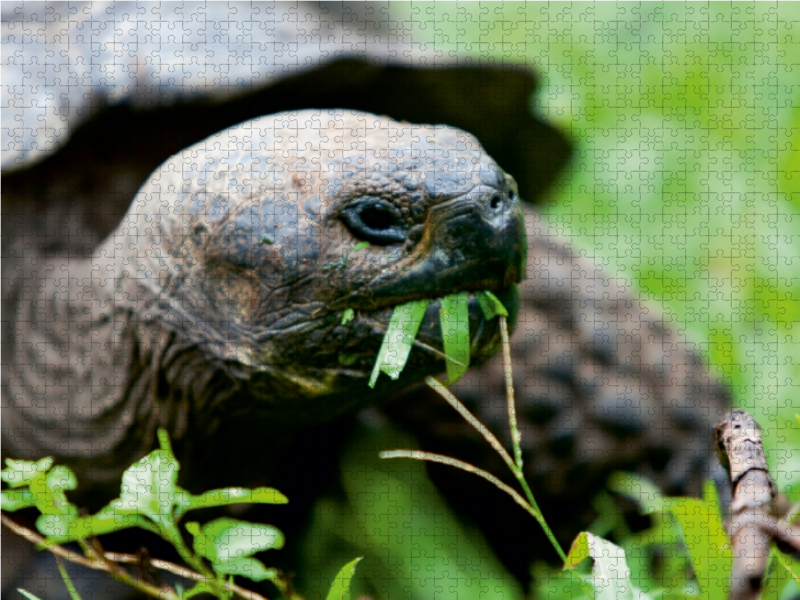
<point x="495" y="202"/>
<point x="512" y="196"/>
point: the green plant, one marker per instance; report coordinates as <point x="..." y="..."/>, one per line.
<point x="697" y="522"/>
<point x="151" y="499"/>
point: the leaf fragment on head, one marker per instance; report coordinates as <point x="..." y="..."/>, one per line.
<point x="348" y="315"/>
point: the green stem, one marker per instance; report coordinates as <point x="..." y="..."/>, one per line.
<point x="516" y="437"/>
<point x="169" y="531"/>
<point x="100" y="564"/>
<point x="73" y="591"/>
<point x="548" y="532"/>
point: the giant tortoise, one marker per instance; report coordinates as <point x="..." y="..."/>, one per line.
<point x="214" y="310"/>
<point x="213" y="306"/>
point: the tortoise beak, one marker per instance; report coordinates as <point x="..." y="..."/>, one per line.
<point x="473" y="242"/>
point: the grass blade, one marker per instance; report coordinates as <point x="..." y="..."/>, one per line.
<point x="454" y="320"/>
<point x="708" y="544"/>
<point x="73" y="591"/>
<point x="398" y="339"/>
<point x="340" y="588"/>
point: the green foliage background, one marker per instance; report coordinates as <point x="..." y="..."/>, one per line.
<point x="686" y="176"/>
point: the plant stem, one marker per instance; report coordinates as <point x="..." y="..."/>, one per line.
<point x="515" y="465"/>
<point x="464" y="466"/>
<point x="110" y="561"/>
<point x="185" y="572"/>
<point x="101" y="564"/>
<point x="440" y="389"/>
<point x="169" y="531"/>
<point x="73" y="591"/>
<point x="516" y="438"/>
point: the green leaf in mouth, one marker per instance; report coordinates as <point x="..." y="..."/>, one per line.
<point x="454" y="321"/>
<point x="490" y="305"/>
<point x="398" y="339"/>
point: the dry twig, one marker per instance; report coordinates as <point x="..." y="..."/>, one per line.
<point x="111" y="563"/>
<point x="738" y="441"/>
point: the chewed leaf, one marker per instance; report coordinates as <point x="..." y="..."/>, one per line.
<point x="611" y="575"/>
<point x="454" y="320"/>
<point x="399" y="338"/>
<point x="490" y="305"/>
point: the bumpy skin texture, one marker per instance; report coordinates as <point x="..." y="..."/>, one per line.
<point x="221" y="293"/>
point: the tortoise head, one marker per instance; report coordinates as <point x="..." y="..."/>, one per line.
<point x="257" y="239"/>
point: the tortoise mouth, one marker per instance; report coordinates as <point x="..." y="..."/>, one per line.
<point x="325" y="357"/>
<point x="358" y="356"/>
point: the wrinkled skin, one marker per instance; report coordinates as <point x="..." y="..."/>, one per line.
<point x="231" y="272"/>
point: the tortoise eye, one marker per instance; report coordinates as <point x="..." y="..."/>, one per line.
<point x="374" y="222"/>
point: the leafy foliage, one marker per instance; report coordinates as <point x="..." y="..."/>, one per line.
<point x="150" y="498"/>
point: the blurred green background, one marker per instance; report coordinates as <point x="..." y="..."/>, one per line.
<point x="685" y="118"/>
<point x="686" y="175"/>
